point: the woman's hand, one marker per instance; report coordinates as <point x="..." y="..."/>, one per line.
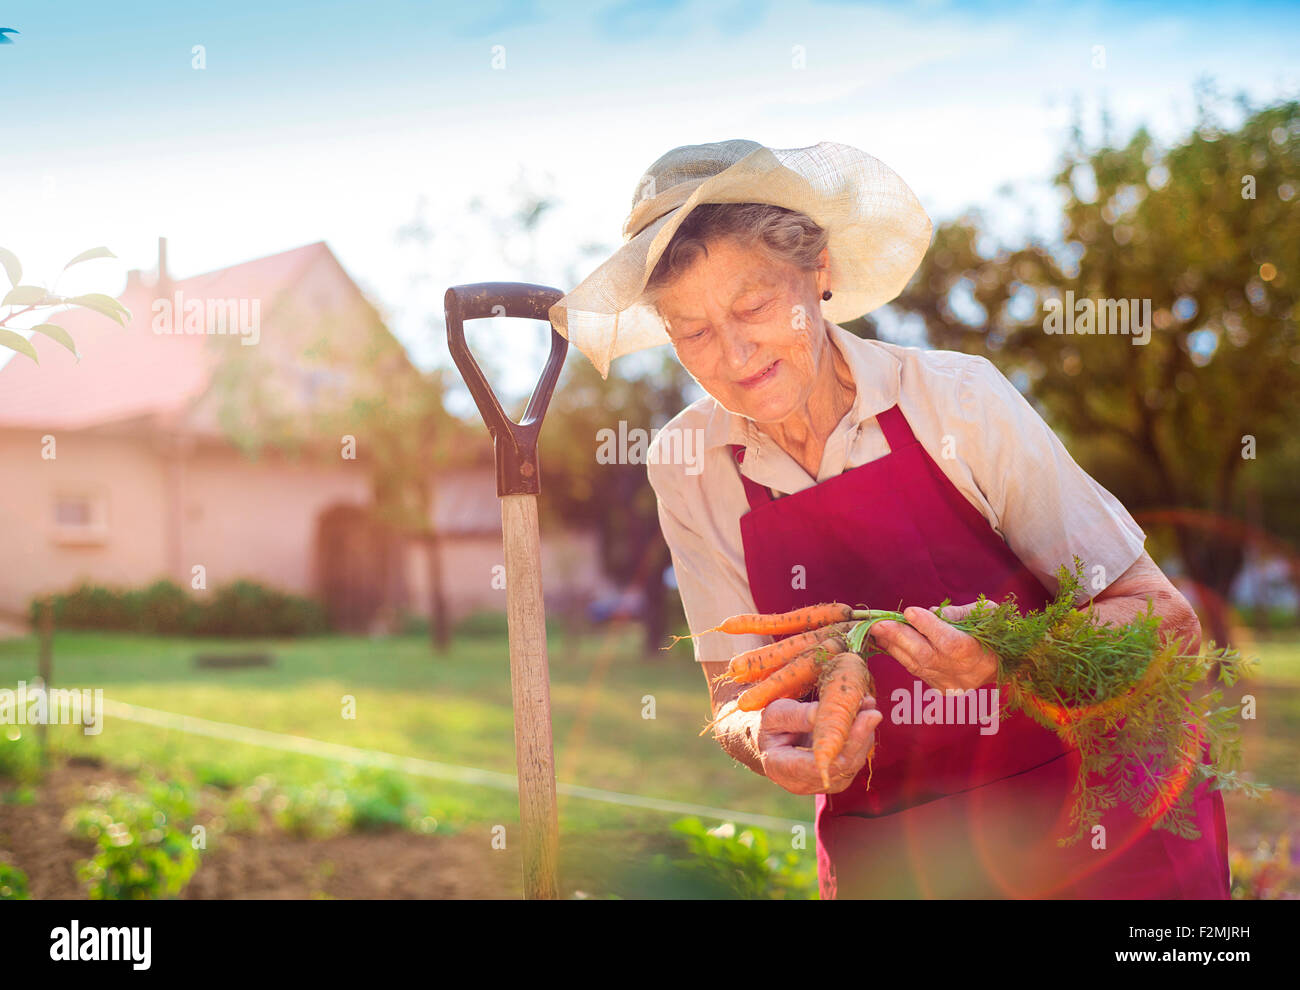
<point x="938" y="653"/>
<point x="784" y="738"/>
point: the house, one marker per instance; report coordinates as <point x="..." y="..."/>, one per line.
<point x="161" y="453"/>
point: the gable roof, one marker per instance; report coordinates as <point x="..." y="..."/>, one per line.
<point x="133" y="372"/>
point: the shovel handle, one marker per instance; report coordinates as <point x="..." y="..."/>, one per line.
<point x="518" y="472"/>
<point x="531" y="693"/>
<point x="518" y="482"/>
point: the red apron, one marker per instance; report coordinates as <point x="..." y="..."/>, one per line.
<point x="952" y="812"/>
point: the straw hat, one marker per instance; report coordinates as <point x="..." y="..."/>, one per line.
<point x="878" y="233"/>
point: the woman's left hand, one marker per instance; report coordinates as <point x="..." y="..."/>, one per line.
<point x="935" y="651"/>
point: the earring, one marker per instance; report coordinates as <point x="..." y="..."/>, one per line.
<point x="826" y="294"/>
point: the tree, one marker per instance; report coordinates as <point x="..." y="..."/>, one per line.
<point x="1205" y="230"/>
<point x="360" y="384"/>
<point x="23" y="299"/>
<point x="410" y="439"/>
<point x="615" y="498"/>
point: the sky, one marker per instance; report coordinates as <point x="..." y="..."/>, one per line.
<point x="349" y="122"/>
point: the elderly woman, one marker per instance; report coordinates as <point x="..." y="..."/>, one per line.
<point x="842" y="469"/>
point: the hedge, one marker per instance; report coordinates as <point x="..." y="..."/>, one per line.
<point x="241" y="608"/>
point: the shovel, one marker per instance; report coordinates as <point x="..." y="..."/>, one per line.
<point x="518" y="482"/>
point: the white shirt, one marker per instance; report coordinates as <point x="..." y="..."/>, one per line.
<point x="979" y="430"/>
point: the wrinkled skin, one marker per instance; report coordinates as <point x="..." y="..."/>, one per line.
<point x="785" y="735"/>
<point x="749" y="329"/>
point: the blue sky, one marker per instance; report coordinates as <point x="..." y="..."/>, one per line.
<point x="333" y="120"/>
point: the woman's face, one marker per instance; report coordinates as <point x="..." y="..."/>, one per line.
<point x="749" y="329"/>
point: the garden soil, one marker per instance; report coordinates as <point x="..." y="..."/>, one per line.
<point x="391" y="864"/>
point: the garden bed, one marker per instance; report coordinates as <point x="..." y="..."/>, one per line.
<point x="390" y="864"/>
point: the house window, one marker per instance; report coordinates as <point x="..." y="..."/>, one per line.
<point x="79" y="518"/>
<point x="73" y="512"/>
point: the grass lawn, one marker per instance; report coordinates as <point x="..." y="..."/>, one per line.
<point x="456" y="709"/>
<point x="1279" y="658"/>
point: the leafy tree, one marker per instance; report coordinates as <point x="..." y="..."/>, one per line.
<point x="1206" y="231"/>
<point x="346" y="375"/>
<point x="24" y="298"/>
<point x="615" y="498"/>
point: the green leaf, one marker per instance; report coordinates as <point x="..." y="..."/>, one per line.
<point x="106" y="305"/>
<point x="18" y="343"/>
<point x="99" y="252"/>
<point x="56" y="332"/>
<point x="25" y="295"/>
<point x="13" y="268"/>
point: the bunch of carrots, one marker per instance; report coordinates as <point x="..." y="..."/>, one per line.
<point x="1124" y="696"/>
<point x="815" y="655"/>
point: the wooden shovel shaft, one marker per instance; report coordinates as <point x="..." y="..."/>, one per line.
<point x="530" y="687"/>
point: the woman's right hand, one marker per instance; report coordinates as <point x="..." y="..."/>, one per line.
<point x="784" y="738"/>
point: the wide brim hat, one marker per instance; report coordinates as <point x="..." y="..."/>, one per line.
<point x="878" y="234"/>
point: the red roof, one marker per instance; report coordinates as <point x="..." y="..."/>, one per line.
<point x="132" y="372"/>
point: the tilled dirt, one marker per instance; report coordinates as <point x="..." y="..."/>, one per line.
<point x="389" y="864"/>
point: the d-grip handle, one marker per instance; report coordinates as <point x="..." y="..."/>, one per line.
<point x="518" y="472"/>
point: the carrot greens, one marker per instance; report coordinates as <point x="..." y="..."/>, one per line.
<point x="1139" y="709"/>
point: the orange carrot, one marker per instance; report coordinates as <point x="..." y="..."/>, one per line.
<point x="785" y="623"/>
<point x="778" y="623"/>
<point x="845" y="683"/>
<point x="754" y="665"/>
<point x="790" y="681"/>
